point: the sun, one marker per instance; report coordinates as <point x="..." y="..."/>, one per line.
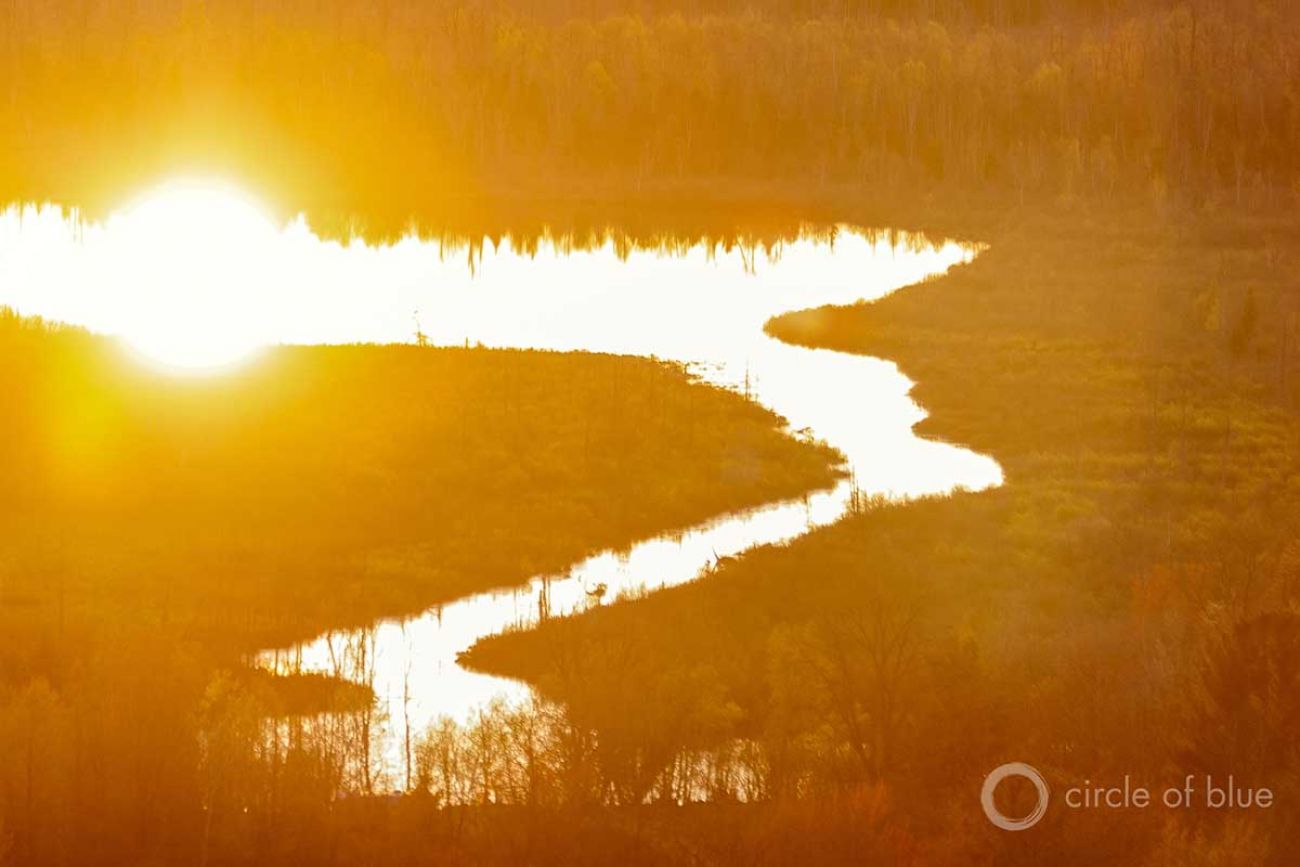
<point x="189" y="261"/>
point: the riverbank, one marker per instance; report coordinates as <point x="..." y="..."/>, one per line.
<point x="324" y="487"/>
<point x="1103" y="613"/>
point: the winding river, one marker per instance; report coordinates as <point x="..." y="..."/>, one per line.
<point x="704" y="305"/>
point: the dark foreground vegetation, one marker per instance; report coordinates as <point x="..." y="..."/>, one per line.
<point x="155" y="527"/>
<point x="1126" y="604"/>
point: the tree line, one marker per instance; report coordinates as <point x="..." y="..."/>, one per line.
<point x="396" y="103"/>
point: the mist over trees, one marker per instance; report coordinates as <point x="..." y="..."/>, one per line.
<point x="347" y="103"/>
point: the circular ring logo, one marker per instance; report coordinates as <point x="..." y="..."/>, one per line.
<point x="1000" y="773"/>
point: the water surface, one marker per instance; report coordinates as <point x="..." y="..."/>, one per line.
<point x="197" y="277"/>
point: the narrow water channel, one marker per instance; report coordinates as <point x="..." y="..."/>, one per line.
<point x="704" y="305"/>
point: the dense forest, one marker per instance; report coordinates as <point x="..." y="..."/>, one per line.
<point x="400" y="105"/>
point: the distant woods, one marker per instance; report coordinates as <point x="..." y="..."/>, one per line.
<point x="401" y="102"/>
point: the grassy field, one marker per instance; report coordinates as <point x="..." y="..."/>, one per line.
<point x="324" y="487"/>
<point x="1125" y="604"/>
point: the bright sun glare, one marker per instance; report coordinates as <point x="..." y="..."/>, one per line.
<point x="191" y="258"/>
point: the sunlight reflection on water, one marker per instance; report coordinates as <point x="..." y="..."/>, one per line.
<point x="247" y="283"/>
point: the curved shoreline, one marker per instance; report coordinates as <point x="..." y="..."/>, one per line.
<point x="875" y="435"/>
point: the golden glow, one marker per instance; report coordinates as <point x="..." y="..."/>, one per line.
<point x="194" y="274"/>
<point x="189" y="260"/>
